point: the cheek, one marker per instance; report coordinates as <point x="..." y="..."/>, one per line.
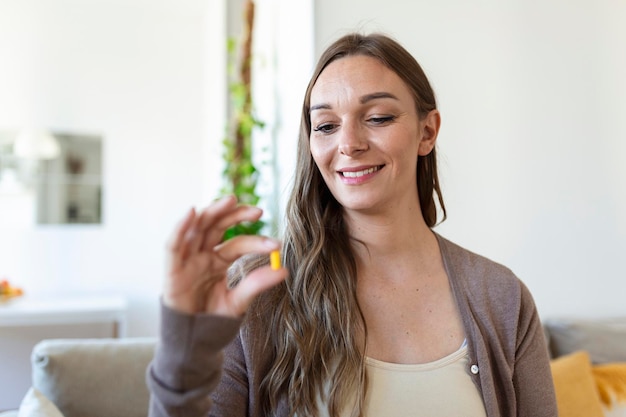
<point x="322" y="155"/>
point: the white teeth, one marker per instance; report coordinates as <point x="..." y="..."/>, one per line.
<point x="356" y="174"/>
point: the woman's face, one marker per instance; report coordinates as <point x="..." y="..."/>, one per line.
<point x="366" y="134"/>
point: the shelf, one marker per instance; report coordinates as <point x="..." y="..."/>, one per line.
<point x="30" y="311"/>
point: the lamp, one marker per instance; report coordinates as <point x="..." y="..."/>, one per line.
<point x="36" y="144"/>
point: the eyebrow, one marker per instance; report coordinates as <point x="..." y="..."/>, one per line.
<point x="375" y="96"/>
<point x="364" y="99"/>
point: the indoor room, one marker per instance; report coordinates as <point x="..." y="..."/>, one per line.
<point x="118" y="117"/>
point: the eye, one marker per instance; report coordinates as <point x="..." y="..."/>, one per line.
<point x="381" y="120"/>
<point x="325" y="128"/>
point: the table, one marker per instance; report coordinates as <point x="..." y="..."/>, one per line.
<point x="42" y="311"/>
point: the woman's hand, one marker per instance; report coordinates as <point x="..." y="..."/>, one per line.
<point x="199" y="260"/>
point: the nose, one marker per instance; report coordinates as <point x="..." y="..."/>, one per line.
<point x="352" y="140"/>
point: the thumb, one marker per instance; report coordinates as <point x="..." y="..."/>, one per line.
<point x="259" y="280"/>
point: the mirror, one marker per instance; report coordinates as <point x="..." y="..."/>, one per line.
<point x="50" y="178"/>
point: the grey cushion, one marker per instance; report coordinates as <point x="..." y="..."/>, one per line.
<point x="603" y="339"/>
<point x="94" y="377"/>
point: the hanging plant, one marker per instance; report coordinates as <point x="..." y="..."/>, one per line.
<point x="240" y="173"/>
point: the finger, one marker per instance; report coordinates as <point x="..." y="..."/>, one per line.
<point x="214" y="232"/>
<point x="195" y="234"/>
<point x="240" y="214"/>
<point x="219" y="209"/>
<point x="259" y="280"/>
<point x="234" y="248"/>
<point x="181" y="230"/>
<point x="179" y="246"/>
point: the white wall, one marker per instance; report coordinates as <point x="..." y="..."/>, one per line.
<point x="134" y="72"/>
<point x="141" y="74"/>
<point x="148" y="76"/>
<point x="533" y="140"/>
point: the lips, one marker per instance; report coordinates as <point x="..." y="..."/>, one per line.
<point x="360" y="172"/>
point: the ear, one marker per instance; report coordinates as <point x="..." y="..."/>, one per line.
<point x="429" y="129"/>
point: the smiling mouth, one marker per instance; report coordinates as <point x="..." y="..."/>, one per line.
<point x="356" y="174"/>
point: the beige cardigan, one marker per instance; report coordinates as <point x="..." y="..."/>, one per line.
<point x="209" y="365"/>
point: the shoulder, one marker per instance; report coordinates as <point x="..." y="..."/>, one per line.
<point x="482" y="281"/>
<point x="461" y="261"/>
<point x="494" y="303"/>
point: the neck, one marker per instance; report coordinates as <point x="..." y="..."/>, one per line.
<point x="391" y="237"/>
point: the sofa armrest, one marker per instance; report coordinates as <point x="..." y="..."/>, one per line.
<point x="94" y="377"/>
<point x="604" y="339"/>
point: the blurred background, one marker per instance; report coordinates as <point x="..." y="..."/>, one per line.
<point x="121" y="106"/>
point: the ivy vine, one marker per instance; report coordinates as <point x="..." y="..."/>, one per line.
<point x="240" y="173"/>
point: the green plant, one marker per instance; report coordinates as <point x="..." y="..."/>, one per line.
<point x="240" y="173"/>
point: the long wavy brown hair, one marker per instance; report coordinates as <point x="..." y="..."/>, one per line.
<point x="315" y="328"/>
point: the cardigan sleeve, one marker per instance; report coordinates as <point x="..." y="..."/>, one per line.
<point x="187" y="365"/>
<point x="532" y="377"/>
<point x="232" y="395"/>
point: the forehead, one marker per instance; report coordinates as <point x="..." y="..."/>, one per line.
<point x="356" y="75"/>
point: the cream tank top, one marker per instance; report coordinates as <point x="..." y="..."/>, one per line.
<point x="442" y="388"/>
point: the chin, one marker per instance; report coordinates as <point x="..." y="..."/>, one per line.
<point x="358" y="205"/>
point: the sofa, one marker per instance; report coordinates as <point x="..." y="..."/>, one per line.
<point x="588" y="366"/>
<point x="106" y="377"/>
<point x="89" y="378"/>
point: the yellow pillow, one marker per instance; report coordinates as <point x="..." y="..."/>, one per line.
<point x="611" y="382"/>
<point x="576" y="392"/>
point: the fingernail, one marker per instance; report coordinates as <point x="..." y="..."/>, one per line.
<point x="226" y="199"/>
<point x="271" y="243"/>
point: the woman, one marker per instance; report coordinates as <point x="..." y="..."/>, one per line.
<point x="374" y="314"/>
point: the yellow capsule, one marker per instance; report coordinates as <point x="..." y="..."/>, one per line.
<point x="275" y="259"/>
